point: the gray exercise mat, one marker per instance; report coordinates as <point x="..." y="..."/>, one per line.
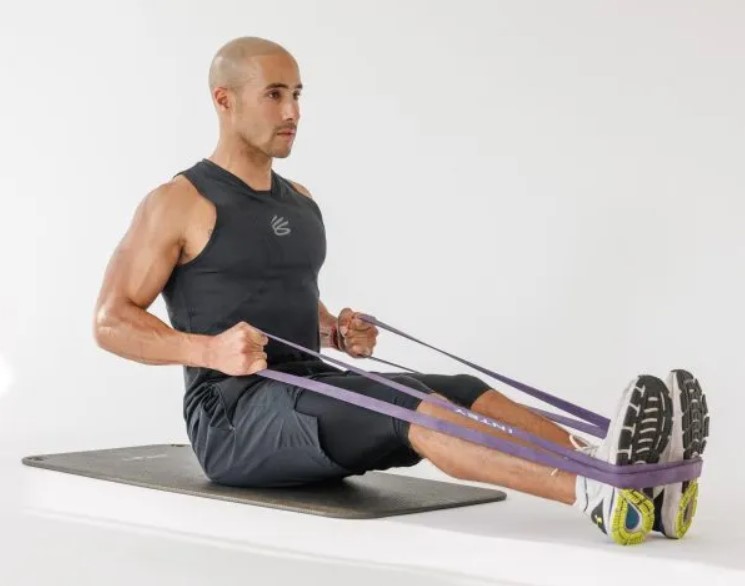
<point x="174" y="468"/>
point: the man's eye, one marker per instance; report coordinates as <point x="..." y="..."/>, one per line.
<point x="274" y="94"/>
<point x="297" y="96"/>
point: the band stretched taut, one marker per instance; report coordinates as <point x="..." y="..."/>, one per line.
<point x="557" y="456"/>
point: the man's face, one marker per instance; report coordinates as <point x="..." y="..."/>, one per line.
<point x="267" y="107"/>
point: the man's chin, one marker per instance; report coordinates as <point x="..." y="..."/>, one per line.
<point x="281" y="153"/>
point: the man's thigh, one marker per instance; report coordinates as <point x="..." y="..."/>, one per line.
<point x="284" y="435"/>
<point x="461" y="389"/>
<point x="360" y="439"/>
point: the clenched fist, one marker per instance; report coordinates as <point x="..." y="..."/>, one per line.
<point x="357" y="338"/>
<point x="237" y="351"/>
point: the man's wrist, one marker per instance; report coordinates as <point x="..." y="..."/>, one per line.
<point x="197" y="350"/>
<point x="330" y="337"/>
<point x="337" y="342"/>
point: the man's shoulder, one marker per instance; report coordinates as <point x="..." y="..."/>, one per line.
<point x="176" y="191"/>
<point x="300" y="188"/>
<point x="174" y="198"/>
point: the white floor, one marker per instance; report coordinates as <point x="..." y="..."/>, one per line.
<point x="63" y="529"/>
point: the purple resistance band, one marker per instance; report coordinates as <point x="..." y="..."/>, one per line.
<point x="589" y="428"/>
<point x="593" y="418"/>
<point x="551" y="454"/>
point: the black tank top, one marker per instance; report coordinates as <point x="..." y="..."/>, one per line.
<point x="260" y="265"/>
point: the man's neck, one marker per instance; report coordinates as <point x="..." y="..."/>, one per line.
<point x="251" y="166"/>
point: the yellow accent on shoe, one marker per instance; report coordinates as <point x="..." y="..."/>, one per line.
<point x="645" y="507"/>
<point x="686" y="510"/>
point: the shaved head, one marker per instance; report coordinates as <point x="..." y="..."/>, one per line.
<point x="233" y="64"/>
<point x="255" y="86"/>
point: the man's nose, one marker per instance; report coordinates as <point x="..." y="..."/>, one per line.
<point x="291" y="111"/>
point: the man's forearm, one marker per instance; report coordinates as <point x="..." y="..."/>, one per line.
<point x="131" y="332"/>
<point x="327" y="324"/>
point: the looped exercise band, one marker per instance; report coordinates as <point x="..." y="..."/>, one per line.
<point x="551" y="454"/>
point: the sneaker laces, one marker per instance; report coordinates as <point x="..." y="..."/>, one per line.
<point x="585" y="448"/>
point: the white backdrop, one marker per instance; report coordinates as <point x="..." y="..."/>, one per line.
<point x="553" y="190"/>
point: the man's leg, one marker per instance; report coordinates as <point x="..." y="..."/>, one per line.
<point x="473" y="393"/>
<point x="638" y="434"/>
<point x="495" y="405"/>
<point x="468" y="461"/>
<point x="360" y="439"/>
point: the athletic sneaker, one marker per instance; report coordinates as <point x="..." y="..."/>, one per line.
<point x="675" y="504"/>
<point x="638" y="434"/>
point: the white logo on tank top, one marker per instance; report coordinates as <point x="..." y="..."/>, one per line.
<point x="280" y="226"/>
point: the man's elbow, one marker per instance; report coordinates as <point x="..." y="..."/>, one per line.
<point x="104" y="321"/>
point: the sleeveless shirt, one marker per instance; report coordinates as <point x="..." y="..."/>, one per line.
<point x="260" y="265"/>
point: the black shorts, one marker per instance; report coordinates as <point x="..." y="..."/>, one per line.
<point x="258" y="432"/>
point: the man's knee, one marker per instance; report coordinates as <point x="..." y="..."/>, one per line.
<point x="431" y="408"/>
<point x="472" y="388"/>
<point x="471" y="381"/>
<point x="425" y="441"/>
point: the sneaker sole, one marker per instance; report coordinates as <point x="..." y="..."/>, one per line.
<point x="647" y="425"/>
<point x="690" y="433"/>
<point x="642" y="436"/>
<point x="619" y="531"/>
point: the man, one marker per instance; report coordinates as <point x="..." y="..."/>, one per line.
<point x="235" y="248"/>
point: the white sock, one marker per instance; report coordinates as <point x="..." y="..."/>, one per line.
<point x="581" y="495"/>
<point x="583" y="484"/>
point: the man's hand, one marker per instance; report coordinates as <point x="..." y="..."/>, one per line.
<point x="237" y="351"/>
<point x="356" y="337"/>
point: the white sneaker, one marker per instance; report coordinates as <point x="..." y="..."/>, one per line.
<point x="638" y="434"/>
<point x="675" y="504"/>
